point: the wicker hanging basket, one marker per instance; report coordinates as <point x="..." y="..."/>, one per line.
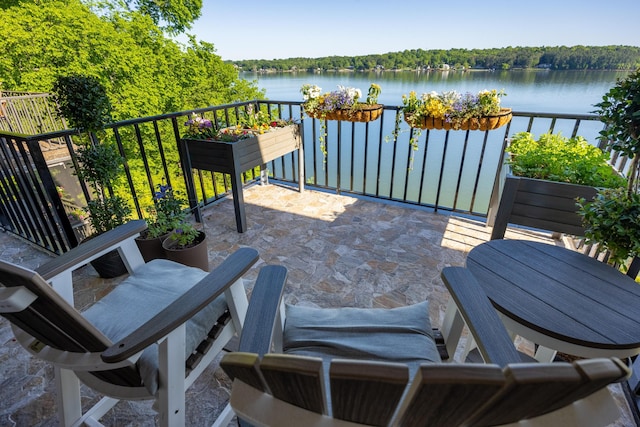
<point x="361" y="113"/>
<point x="483" y="123"/>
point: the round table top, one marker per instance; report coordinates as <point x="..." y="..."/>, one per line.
<point x="559" y="293"/>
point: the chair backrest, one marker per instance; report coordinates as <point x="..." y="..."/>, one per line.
<point x="542" y="205"/>
<point x="31" y="304"/>
<point x="551" y="206"/>
<point x="375" y="393"/>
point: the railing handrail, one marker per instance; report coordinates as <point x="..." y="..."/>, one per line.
<point x="148" y="140"/>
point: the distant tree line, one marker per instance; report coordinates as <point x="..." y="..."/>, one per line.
<point x="556" y="58"/>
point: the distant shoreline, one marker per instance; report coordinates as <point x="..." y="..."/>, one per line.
<point x="408" y="70"/>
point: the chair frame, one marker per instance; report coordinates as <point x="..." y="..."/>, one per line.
<point x="261" y="398"/>
<point x="167" y="329"/>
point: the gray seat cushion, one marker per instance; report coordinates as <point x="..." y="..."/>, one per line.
<point x="402" y="335"/>
<point x="140" y="297"/>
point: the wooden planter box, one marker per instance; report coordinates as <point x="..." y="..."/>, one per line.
<point x="234" y="158"/>
<point x="245" y="154"/>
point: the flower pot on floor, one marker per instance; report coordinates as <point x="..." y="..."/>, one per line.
<point x="109" y="265"/>
<point x="195" y="255"/>
<point x="151" y="248"/>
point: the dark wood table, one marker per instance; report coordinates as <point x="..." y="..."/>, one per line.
<point x="560" y="299"/>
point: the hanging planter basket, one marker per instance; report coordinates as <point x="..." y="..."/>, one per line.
<point x="361" y="113"/>
<point x="483" y="123"/>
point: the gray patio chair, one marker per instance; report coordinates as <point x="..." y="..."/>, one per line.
<point x="540" y="204"/>
<point x="550" y="206"/>
<point x="347" y="367"/>
<point x="166" y="322"/>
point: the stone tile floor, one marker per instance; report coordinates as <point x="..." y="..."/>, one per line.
<point x="339" y="250"/>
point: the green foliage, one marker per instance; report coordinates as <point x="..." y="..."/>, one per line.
<point x="107" y="213"/>
<point x="167" y="213"/>
<point x="177" y="14"/>
<point x="83" y="101"/>
<point x="557" y="158"/>
<point x="619" y="110"/>
<point x="373" y="94"/>
<point x="184" y="235"/>
<point x="612" y="219"/>
<point x="100" y="165"/>
<point x="553" y="57"/>
<point x="143" y="72"/>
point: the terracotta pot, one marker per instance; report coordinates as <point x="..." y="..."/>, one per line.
<point x="151" y="248"/>
<point x="194" y="256"/>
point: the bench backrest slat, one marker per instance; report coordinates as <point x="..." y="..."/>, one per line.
<point x="369" y="393"/>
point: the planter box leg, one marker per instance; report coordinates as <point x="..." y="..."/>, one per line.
<point x="238" y="201"/>
<point x="264" y="175"/>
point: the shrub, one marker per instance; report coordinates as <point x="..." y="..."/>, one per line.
<point x="557" y="158"/>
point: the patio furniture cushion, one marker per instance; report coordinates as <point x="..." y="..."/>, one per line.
<point x="402" y="334"/>
<point x="141" y="296"/>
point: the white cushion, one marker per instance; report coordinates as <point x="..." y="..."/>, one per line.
<point x="402" y="335"/>
<point x="141" y="296"/>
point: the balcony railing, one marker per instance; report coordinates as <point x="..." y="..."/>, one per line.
<point x="451" y="170"/>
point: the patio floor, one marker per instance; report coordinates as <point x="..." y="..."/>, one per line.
<point x="339" y="250"/>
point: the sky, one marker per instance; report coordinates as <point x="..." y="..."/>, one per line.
<point x="276" y="29"/>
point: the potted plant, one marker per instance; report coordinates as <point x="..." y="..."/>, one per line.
<point x="612" y="219"/>
<point x="187" y="245"/>
<point x="257" y="137"/>
<point x="342" y="104"/>
<point x="456" y="111"/>
<point x="255" y="140"/>
<point x="164" y="216"/>
<point x="83" y="101"/>
<point x="554" y="157"/>
<point x="541" y="165"/>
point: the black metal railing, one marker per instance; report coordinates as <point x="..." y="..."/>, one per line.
<point x="450" y="170"/>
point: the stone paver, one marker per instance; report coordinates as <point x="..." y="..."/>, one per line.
<point x="339" y="250"/>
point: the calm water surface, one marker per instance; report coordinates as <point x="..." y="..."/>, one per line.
<point x="450" y="168"/>
<point x="542" y="91"/>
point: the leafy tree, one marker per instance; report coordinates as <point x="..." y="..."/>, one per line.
<point x="83" y="101"/>
<point x="143" y="72"/>
<point x="576" y="57"/>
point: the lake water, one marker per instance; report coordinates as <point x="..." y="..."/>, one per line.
<point x="540" y="91"/>
<point x="453" y="170"/>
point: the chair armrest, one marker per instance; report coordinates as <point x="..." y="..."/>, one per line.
<point x="259" y="325"/>
<point x="481" y="318"/>
<point x="91" y="249"/>
<point x="185" y="307"/>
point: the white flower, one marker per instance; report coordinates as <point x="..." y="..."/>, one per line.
<point x="310" y="91"/>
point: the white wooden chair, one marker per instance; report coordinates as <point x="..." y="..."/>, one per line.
<point x="149" y="338"/>
<point x="371" y="376"/>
